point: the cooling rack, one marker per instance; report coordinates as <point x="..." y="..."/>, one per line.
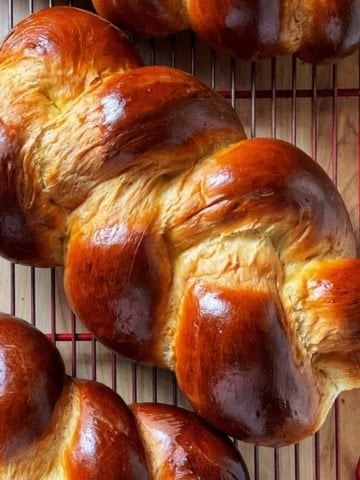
<point x="317" y="108"/>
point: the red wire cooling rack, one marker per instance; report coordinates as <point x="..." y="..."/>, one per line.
<point x="321" y="458"/>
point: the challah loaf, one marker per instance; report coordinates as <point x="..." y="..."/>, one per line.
<point x="314" y="30"/>
<point x="56" y="427"/>
<point x="229" y="263"/>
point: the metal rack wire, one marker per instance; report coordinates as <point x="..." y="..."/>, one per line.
<point x="225" y="75"/>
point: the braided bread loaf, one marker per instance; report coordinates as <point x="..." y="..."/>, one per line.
<point x="229" y="263"/>
<point x="56" y="427"/>
<point x="314" y="30"/>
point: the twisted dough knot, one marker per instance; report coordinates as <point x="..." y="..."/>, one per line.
<point x="223" y="261"/>
<point x="53" y="426"/>
<point x="314" y="30"/>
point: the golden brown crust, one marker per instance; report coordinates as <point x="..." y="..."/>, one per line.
<point x="143" y="138"/>
<point x="56" y="427"/>
<point x="314" y="30"/>
<point x="77" y="118"/>
<point x="253" y="385"/>
<point x="149" y="203"/>
<point x="294" y="201"/>
<point x="129" y="123"/>
<point x="185" y="447"/>
<point x="120" y="302"/>
<point x="31" y="381"/>
<point x="54" y="73"/>
<point x="159" y="109"/>
<point x="105" y="444"/>
<point x="44" y="36"/>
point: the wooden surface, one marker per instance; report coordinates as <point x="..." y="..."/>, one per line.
<point x="326" y="127"/>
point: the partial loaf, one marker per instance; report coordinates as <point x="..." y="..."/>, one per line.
<point x="314" y="30"/>
<point x="56" y="427"/>
<point x="230" y="263"/>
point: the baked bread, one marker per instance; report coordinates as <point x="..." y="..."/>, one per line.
<point x="229" y="261"/>
<point x="314" y="30"/>
<point x="57" y="427"/>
